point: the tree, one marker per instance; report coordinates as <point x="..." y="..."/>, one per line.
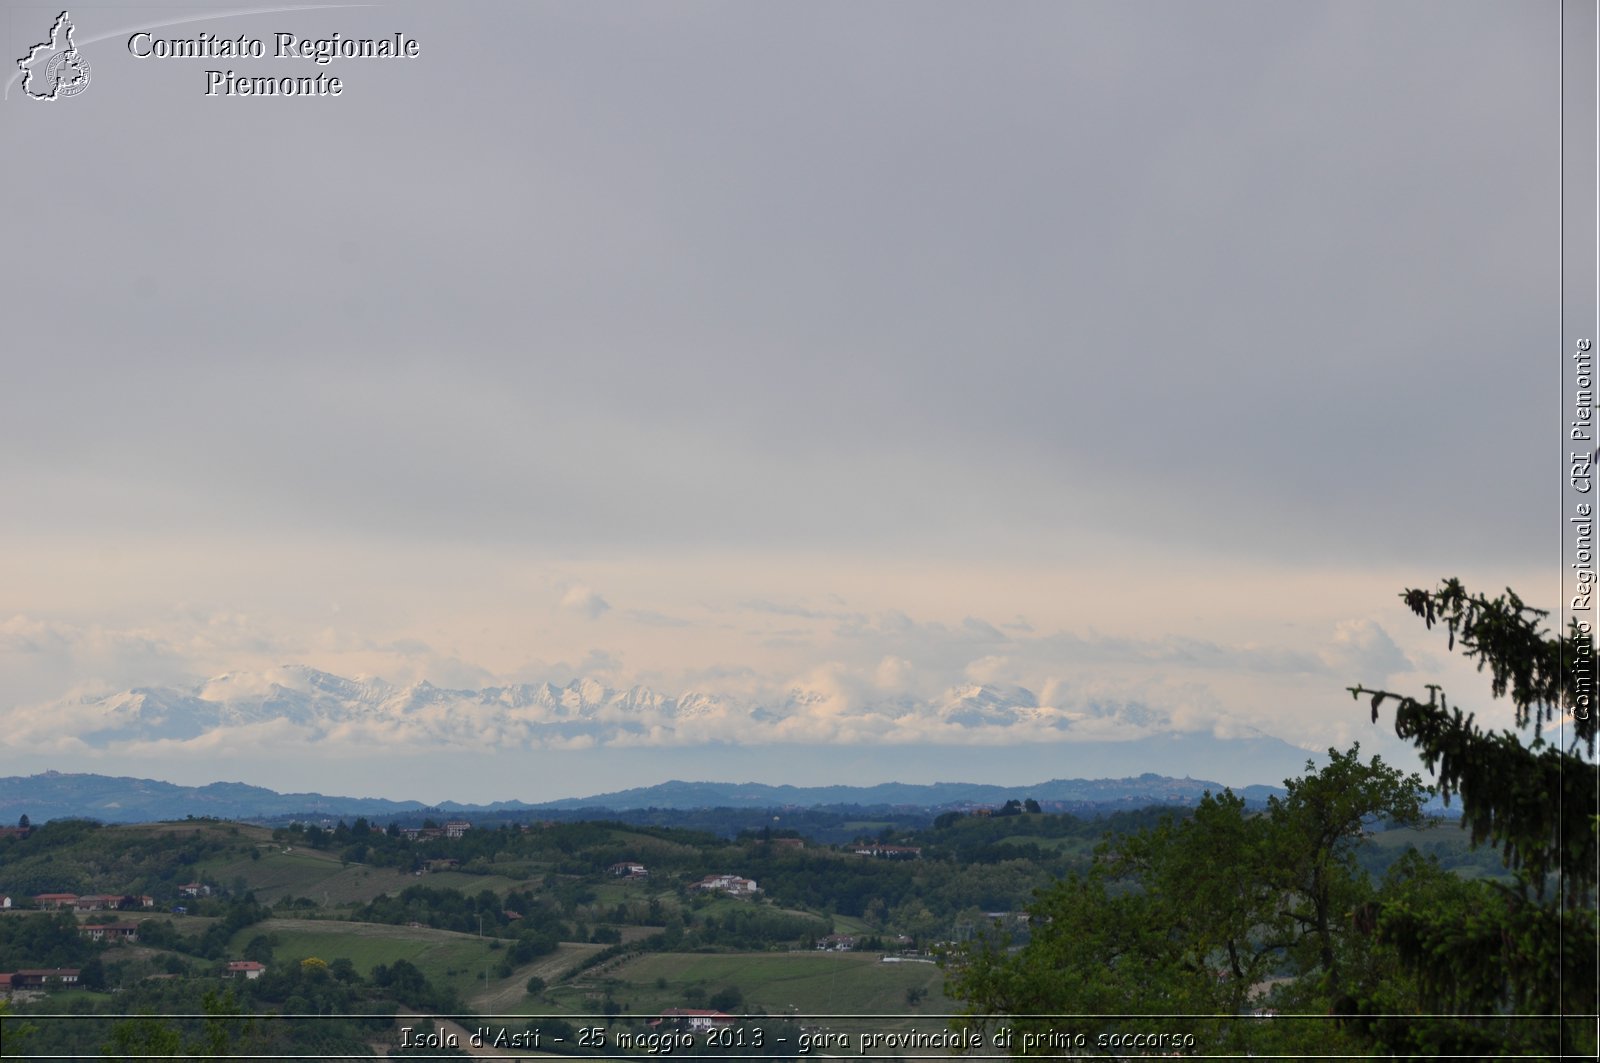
<point x="1505" y="952"/>
<point x="1193" y="916"/>
<point x="24" y="822"/>
<point x="143" y="1038"/>
<point x="1318" y="825"/>
<point x="259" y="949"/>
<point x="728" y="998"/>
<point x="92" y="975"/>
<point x="16" y="1033"/>
<point x="225" y="1024"/>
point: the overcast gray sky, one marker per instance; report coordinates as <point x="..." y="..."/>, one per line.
<point x="830" y="359"/>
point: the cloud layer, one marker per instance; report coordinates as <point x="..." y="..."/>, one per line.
<point x="1017" y="376"/>
<point x="301" y="704"/>
<point x="892" y="681"/>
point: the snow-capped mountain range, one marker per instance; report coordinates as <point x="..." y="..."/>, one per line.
<point x="298" y="701"/>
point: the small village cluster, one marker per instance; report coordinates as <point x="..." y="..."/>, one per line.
<point x="124" y="931"/>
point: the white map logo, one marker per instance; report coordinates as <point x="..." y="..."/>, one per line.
<point x="55" y="69"/>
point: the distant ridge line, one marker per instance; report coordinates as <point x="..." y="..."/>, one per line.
<point x="122" y="799"/>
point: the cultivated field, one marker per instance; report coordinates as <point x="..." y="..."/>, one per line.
<point x="446" y="957"/>
<point x="778" y="983"/>
<point x="302" y="872"/>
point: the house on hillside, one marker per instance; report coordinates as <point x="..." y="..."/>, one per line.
<point x="247" y="969"/>
<point x="692" y="1019"/>
<point x="456" y="828"/>
<point x="788" y="843"/>
<point x="194" y="889"/>
<point x="55" y="900"/>
<point x="888" y="852"/>
<point x="732" y="884"/>
<point x="128" y="932"/>
<point x="44" y="978"/>
<point x="97" y="902"/>
<point x="629" y="869"/>
<point x="422" y="834"/>
<point x="836" y="943"/>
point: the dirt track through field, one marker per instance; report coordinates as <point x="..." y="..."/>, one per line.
<point x="551" y="967"/>
<point x="501" y="999"/>
<point x="371" y="930"/>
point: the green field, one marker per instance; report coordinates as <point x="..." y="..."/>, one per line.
<point x="324" y="878"/>
<point x="778" y="983"/>
<point x="647" y="847"/>
<point x="1444" y="840"/>
<point x="850" y="924"/>
<point x="180" y="828"/>
<point x="1060" y="845"/>
<point x="471" y="885"/>
<point x="301" y="872"/>
<point x="622" y="891"/>
<point x="446" y="957"/>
